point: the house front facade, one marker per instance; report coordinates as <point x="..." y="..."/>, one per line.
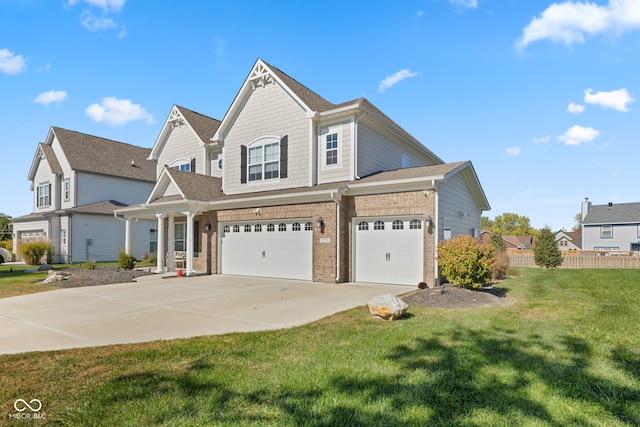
<point x="290" y="185"/>
<point x="77" y="181"/>
<point x="611" y="227"/>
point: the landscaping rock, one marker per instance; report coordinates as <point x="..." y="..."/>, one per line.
<point x="387" y="307"/>
<point x="55" y="277"/>
<point x="31" y="270"/>
<point x="45" y="267"/>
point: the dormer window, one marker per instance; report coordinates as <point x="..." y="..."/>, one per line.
<point x="264" y="162"/>
<point x="44" y="195"/>
<point x="332" y="149"/>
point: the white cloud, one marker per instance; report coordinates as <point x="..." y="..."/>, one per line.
<point x="577" y="135"/>
<point x="106" y="5"/>
<point x="575" y="108"/>
<point x="471" y="4"/>
<point x="513" y="151"/>
<point x="542" y="139"/>
<point x="116" y="111"/>
<point x="46" y="98"/>
<point x="616" y="99"/>
<point x="395" y="79"/>
<point x="92" y="23"/>
<point x="10" y="63"/>
<point x="569" y="21"/>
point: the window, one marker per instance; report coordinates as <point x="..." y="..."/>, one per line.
<point x="415" y="224"/>
<point x="397" y="225"/>
<point x="406" y="161"/>
<point x="257" y="228"/>
<point x="295" y="226"/>
<point x="236" y="228"/>
<point x="282" y="227"/>
<point x="308" y="226"/>
<point x="180" y="236"/>
<point x="638" y="230"/>
<point x="67" y="190"/>
<point x="220" y="164"/>
<point x="247" y="228"/>
<point x="183" y="167"/>
<point x="153" y="240"/>
<point x="271" y="227"/>
<point x="63" y="236"/>
<point x="363" y="226"/>
<point x="226" y="229"/>
<point x="378" y="225"/>
<point x="606" y="231"/>
<point x="332" y="149"/>
<point x="264" y="162"/>
<point x="44" y="195"/>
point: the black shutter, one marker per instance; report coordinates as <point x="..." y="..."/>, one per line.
<point x="243" y="164"/>
<point x="196" y="237"/>
<point x="50" y="196"/>
<point x="193" y="165"/>
<point x="284" y="145"/>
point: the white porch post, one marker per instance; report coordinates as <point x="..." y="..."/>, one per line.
<point x="127" y="236"/>
<point x="160" y="251"/>
<point x="171" y="242"/>
<point x="190" y="216"/>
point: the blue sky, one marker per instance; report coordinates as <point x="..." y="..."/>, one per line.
<point x="540" y="96"/>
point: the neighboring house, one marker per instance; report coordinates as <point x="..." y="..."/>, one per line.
<point x="290" y="185"/>
<point x="77" y="181"/>
<point x="569" y="240"/>
<point x="611" y="227"/>
<point x="510" y="241"/>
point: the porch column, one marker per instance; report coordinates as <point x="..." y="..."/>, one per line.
<point x="190" y="216"/>
<point x="171" y="242"/>
<point x="127" y="236"/>
<point x="160" y="251"/>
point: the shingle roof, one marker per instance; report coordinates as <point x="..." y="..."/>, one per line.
<point x="50" y="155"/>
<point x="618" y="213"/>
<point x="93" y="154"/>
<point x="434" y="171"/>
<point x="196" y="186"/>
<point x="204" y="126"/>
<point x="105" y="208"/>
<point x="309" y="97"/>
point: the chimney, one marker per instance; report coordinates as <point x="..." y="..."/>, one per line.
<point x="586" y="207"/>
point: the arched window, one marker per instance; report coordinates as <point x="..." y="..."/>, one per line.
<point x="378" y="225"/>
<point x="307" y="226"/>
<point x="226" y="229"/>
<point x="295" y="226"/>
<point x="236" y="228"/>
<point x="282" y="227"/>
<point x="247" y="228"/>
<point x="257" y="228"/>
<point x="415" y="224"/>
<point x="363" y="226"/>
<point x="271" y="227"/>
<point x="397" y="225"/>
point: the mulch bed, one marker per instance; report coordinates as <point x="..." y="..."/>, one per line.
<point x="448" y="296"/>
<point x="99" y="276"/>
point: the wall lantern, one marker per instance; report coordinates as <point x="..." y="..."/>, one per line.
<point x="319" y="222"/>
<point x="207" y="227"/>
<point x="428" y="222"/>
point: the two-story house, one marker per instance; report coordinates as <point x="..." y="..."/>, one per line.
<point x="77" y="181"/>
<point x="290" y="185"/>
<point x="569" y="240"/>
<point x="611" y="227"/>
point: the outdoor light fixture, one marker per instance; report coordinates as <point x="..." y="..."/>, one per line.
<point x="319" y="222"/>
<point x="428" y="222"/>
<point x="207" y="227"/>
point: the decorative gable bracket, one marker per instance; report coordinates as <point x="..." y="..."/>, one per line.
<point x="260" y="76"/>
<point x="175" y="119"/>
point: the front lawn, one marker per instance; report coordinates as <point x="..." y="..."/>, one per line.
<point x="14" y="281"/>
<point x="567" y="353"/>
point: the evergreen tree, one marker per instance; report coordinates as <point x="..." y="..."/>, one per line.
<point x="546" y="253"/>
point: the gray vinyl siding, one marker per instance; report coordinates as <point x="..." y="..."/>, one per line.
<point x="342" y="170"/>
<point x="623" y="236"/>
<point x="98" y="188"/>
<point x="457" y="206"/>
<point x="379" y="151"/>
<point x="214" y="157"/>
<point x="181" y="146"/>
<point x="107" y="235"/>
<point x="269" y="110"/>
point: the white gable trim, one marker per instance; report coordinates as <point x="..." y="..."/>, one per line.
<point x="174" y="120"/>
<point x="161" y="186"/>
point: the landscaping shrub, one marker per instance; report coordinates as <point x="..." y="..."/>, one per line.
<point x="500" y="265"/>
<point x="88" y="265"/>
<point x="34" y="252"/>
<point x="465" y="262"/>
<point x="126" y="261"/>
<point x="546" y="253"/>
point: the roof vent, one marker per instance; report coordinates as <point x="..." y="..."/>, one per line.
<point x="610" y="204"/>
<point x="133" y="162"/>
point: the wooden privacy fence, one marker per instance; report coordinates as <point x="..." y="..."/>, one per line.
<point x="580" y="259"/>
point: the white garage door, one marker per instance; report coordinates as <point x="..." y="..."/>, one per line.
<point x="389" y="250"/>
<point x="267" y="249"/>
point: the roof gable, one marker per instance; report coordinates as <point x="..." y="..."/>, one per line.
<point x="617" y="213"/>
<point x="44" y="152"/>
<point x="93" y="154"/>
<point x="190" y="186"/>
<point x="203" y="127"/>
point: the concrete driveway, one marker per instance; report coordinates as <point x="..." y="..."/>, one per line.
<point x="155" y="308"/>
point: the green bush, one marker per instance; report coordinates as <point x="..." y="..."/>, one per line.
<point x="34" y="252"/>
<point x="546" y="253"/>
<point x="126" y="261"/>
<point x="500" y="265"/>
<point x="88" y="265"/>
<point x="465" y="262"/>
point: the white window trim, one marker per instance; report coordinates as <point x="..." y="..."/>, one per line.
<point x="323" y="147"/>
<point x="405" y="161"/>
<point x="47" y="196"/>
<point x="263" y="141"/>
<point x="602" y="236"/>
<point x="183" y="239"/>
<point x="178" y="163"/>
<point x="66" y="188"/>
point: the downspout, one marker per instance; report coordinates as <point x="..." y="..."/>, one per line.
<point x="436" y="233"/>
<point x="115" y="215"/>
<point x="355" y="145"/>
<point x="337" y="237"/>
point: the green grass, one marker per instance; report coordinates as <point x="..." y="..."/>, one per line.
<point x="566" y="353"/>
